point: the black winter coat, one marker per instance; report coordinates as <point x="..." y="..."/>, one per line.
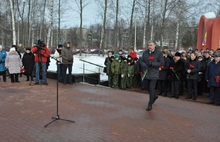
<point x="28" y="63"/>
<point x="179" y="68"/>
<point x="164" y="72"/>
<point x="194" y="74"/>
<point x="153" y="70"/>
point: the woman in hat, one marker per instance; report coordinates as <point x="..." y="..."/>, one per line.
<point x="28" y="63"/>
<point x="13" y="64"/>
<point x="58" y="56"/>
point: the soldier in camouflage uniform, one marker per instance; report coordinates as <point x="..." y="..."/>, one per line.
<point x="107" y="63"/>
<point x="124" y="72"/>
<point x="130" y="74"/>
<point x="115" y="68"/>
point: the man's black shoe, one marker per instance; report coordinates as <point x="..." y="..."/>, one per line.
<point x="149" y="107"/>
<point x="210" y="102"/>
<point x="188" y="97"/>
<point x="36" y="83"/>
<point x="45" y="83"/>
<point x="155" y="99"/>
<point x="159" y="93"/>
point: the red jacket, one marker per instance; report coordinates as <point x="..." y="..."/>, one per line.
<point x="133" y="55"/>
<point x="42" y="55"/>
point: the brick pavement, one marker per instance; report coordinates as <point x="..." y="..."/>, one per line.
<point x="101" y="114"/>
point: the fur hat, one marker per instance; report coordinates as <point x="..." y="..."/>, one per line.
<point x="178" y="54"/>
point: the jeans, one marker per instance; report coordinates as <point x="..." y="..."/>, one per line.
<point x="67" y="78"/>
<point x="43" y="72"/>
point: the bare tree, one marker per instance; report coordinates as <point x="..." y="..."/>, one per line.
<point x="103" y="26"/>
<point x="51" y="23"/>
<point x="13" y="21"/>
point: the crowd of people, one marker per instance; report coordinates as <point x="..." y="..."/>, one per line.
<point x="169" y="72"/>
<point x="35" y="62"/>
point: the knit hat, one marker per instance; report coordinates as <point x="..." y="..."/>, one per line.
<point x="12" y="49"/>
<point x="116" y="55"/>
<point x="60" y="45"/>
<point x="28" y="48"/>
<point x="178" y="54"/>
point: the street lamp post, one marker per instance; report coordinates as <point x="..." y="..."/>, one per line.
<point x="135" y="29"/>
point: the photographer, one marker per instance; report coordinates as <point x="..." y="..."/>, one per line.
<point x="41" y="53"/>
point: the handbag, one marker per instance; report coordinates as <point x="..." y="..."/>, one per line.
<point x="23" y="70"/>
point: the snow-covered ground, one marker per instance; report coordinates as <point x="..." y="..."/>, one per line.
<point x="89" y="68"/>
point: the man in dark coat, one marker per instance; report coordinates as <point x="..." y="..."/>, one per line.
<point x="176" y="68"/>
<point x="163" y="73"/>
<point x="67" y="59"/>
<point x="193" y="67"/>
<point x="151" y="60"/>
<point x="212" y="76"/>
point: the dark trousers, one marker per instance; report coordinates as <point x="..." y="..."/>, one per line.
<point x="162" y="86"/>
<point x="67" y="78"/>
<point x="3" y="73"/>
<point x="14" y="77"/>
<point x="215" y="94"/>
<point x="175" y="85"/>
<point x="28" y="77"/>
<point x="59" y="72"/>
<point x="152" y="84"/>
<point x="192" y="85"/>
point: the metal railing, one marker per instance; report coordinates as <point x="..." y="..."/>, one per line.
<point x="85" y="69"/>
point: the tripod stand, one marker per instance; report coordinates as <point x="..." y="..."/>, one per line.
<point x="57" y="117"/>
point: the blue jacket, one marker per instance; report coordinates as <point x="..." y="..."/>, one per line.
<point x="212" y="71"/>
<point x="2" y="63"/>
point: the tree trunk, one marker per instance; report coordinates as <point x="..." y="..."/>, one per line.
<point x="163" y="14"/>
<point x="116" y="25"/>
<point x="58" y="34"/>
<point x="13" y="22"/>
<point x="42" y="19"/>
<point x="131" y="23"/>
<point x="51" y="23"/>
<point x="81" y="34"/>
<point x="103" y="27"/>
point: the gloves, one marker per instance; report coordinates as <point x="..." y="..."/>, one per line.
<point x="0" y="61"/>
<point x="122" y="75"/>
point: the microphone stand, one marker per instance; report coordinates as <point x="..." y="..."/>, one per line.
<point x="57" y="117"/>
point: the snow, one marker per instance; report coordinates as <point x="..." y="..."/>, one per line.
<point x="210" y="15"/>
<point x="88" y="68"/>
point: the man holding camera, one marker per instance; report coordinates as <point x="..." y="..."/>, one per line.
<point x="41" y="53"/>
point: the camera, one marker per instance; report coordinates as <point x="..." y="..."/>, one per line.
<point x="40" y="44"/>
